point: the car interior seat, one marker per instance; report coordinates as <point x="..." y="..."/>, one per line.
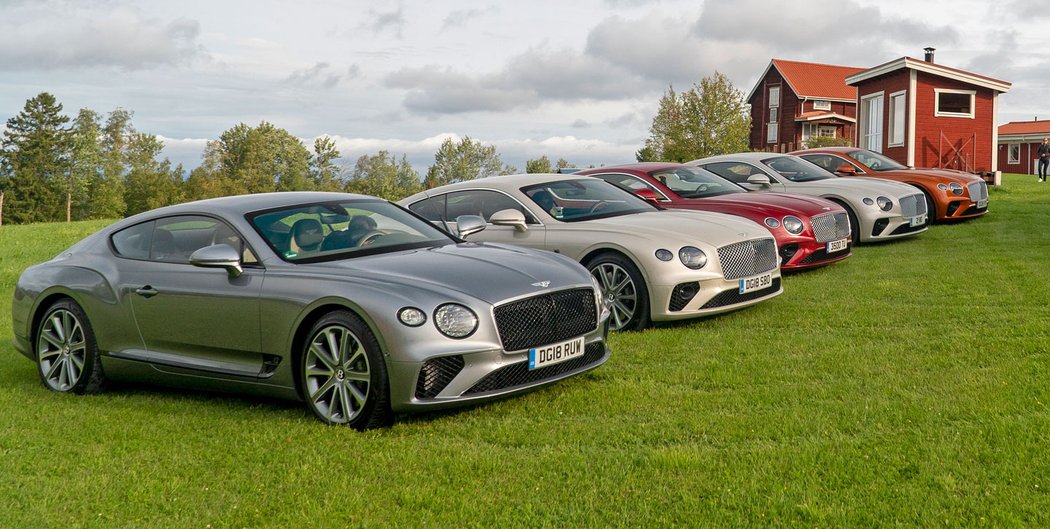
<point x="307" y="235"/>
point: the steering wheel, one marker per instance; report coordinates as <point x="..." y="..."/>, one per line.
<point x="875" y="166"/>
<point x="599" y="206"/>
<point x="369" y="238"/>
<point x="701" y="188"/>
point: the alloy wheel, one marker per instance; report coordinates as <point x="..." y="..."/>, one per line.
<point x="61" y="350"/>
<point x="619" y="291"/>
<point x="337" y="374"/>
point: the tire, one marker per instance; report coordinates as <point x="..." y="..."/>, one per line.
<point x="623" y="285"/>
<point x="854" y="224"/>
<point x="66" y="351"/>
<point x="931" y="208"/>
<point x="343" y="375"/>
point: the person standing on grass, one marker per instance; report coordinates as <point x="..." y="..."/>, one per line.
<point x="1044" y="158"/>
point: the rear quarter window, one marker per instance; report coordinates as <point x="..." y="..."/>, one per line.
<point x="134" y="242"/>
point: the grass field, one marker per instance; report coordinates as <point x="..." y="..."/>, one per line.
<point x="907" y="386"/>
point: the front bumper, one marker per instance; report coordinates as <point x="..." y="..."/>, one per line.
<point x="713" y="296"/>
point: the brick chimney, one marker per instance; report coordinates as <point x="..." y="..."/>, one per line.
<point x="929" y="54"/>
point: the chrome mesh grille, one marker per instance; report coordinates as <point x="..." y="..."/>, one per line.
<point x="978" y="191"/>
<point x="831" y="226"/>
<point x="546" y="318"/>
<point x="748" y="258"/>
<point x="913" y="205"/>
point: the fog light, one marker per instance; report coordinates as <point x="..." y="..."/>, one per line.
<point x="412" y="316"/>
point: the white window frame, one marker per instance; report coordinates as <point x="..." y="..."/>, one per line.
<point x="937" y="103"/>
<point x="1011" y="156"/>
<point x="772" y="127"/>
<point x="870" y="131"/>
<point x="821" y="104"/>
<point x="896" y="129"/>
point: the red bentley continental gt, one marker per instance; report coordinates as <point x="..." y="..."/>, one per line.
<point x="809" y="231"/>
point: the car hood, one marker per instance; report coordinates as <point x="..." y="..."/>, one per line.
<point x="766" y="204"/>
<point x="868" y="187"/>
<point x="489" y="272"/>
<point x="938" y="175"/>
<point x="680" y="226"/>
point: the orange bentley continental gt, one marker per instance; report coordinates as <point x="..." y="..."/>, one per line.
<point x="950" y="194"/>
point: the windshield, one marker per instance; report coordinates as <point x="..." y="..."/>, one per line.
<point x="876" y="161"/>
<point x="584" y="199"/>
<point x="342" y="230"/>
<point x="797" y="169"/>
<point x="694" y="182"/>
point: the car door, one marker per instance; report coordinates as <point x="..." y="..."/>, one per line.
<point x="191" y="317"/>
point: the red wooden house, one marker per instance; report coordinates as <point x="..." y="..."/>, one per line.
<point x="1018" y="144"/>
<point x="794" y="101"/>
<point x="924" y="114"/>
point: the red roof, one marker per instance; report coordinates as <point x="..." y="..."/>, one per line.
<point x="931" y="68"/>
<point x="816" y="80"/>
<point x="1025" y="127"/>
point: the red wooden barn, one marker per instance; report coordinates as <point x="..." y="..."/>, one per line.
<point x="794" y="101"/>
<point x="924" y="114"/>
<point x="1018" y="143"/>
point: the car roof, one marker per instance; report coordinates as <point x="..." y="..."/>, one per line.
<point x="742" y="156"/>
<point x="506" y="182"/>
<point x="637" y="166"/>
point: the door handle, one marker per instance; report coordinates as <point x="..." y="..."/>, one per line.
<point x="146" y="291"/>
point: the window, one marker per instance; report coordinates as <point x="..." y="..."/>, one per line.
<point x="821" y="104"/>
<point x="1013" y="151"/>
<point x="897" y="107"/>
<point x="134" y="242"/>
<point x="812" y="130"/>
<point x="734" y="171"/>
<point x="954" y="103"/>
<point x="871" y="114"/>
<point x="176" y="238"/>
<point x="828" y="162"/>
<point x="484" y="203"/>
<point x="432" y="209"/>
<point x="774" y="114"/>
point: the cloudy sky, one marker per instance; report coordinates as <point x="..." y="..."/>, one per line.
<point x="576" y="79"/>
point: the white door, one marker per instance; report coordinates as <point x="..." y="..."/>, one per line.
<point x="871" y="138"/>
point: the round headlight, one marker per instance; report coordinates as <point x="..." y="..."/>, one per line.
<point x="793" y="224"/>
<point x="664" y="255"/>
<point x="942" y="187"/>
<point x="885" y="204"/>
<point x="772" y="223"/>
<point x="956" y="188"/>
<point x="868" y="201"/>
<point x="455" y="321"/>
<point x="692" y="257"/>
<point x="412" y="316"/>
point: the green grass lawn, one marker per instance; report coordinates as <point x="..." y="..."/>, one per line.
<point x="906" y="386"/>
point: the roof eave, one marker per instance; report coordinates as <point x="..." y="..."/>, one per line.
<point x="931" y="68"/>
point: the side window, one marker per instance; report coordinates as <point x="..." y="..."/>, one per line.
<point x="176" y="238"/>
<point x="134" y="242"/>
<point x="484" y="203"/>
<point x="625" y="181"/>
<point x="733" y="171"/>
<point x="826" y="161"/>
<point x="432" y="209"/>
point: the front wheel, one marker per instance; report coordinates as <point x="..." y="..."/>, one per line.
<point x="931" y="208"/>
<point x="343" y="375"/>
<point x="66" y="351"/>
<point x="624" y="290"/>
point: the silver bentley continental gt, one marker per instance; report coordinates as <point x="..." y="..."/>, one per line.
<point x="878" y="210"/>
<point x="347" y="302"/>
<point x="652" y="264"/>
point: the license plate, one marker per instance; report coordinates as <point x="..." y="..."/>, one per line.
<point x="751" y="284"/>
<point x="981" y="204"/>
<point x="555" y="353"/>
<point x="838" y="246"/>
<point x="918" y="221"/>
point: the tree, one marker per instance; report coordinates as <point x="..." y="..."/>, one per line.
<point x="323" y="170"/>
<point x="249" y="159"/>
<point x="149" y="183"/>
<point x="36" y="147"/>
<point x="85" y="161"/>
<point x="539" y="165"/>
<point x="708" y="119"/>
<point x="107" y="190"/>
<point x="383" y="176"/>
<point x="466" y="160"/>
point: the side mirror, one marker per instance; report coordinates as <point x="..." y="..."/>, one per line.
<point x="647" y="195"/>
<point x="467" y="225"/>
<point x="846" y="170"/>
<point x="758" y="180"/>
<point x="509" y="217"/>
<point x="218" y="256"/>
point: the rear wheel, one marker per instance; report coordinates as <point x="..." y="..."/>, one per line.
<point x="66" y="351"/>
<point x="624" y="290"/>
<point x="343" y="375"/>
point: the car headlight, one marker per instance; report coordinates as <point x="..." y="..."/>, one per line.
<point x="599" y="296"/>
<point x="412" y="316"/>
<point x="664" y="255"/>
<point x="771" y="223"/>
<point x="942" y="187"/>
<point x="885" y="204"/>
<point x="956" y="188"/>
<point x="793" y="224"/>
<point x="455" y="321"/>
<point x="692" y="257"/>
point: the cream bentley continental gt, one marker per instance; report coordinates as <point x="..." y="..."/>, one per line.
<point x="878" y="209"/>
<point x="652" y="264"/>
